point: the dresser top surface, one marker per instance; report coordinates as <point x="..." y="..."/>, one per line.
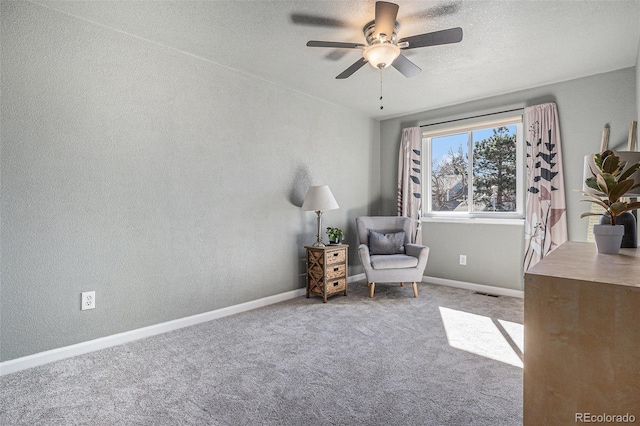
<point x="581" y="261"/>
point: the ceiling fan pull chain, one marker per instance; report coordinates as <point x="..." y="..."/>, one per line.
<point x="381" y="107"/>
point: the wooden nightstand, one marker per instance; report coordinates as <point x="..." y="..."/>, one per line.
<point x="327" y="270"/>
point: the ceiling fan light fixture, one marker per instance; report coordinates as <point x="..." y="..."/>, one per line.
<point x="381" y="55"/>
<point x="383" y="47"/>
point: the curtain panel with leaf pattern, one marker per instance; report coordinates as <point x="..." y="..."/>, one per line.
<point x="409" y="180"/>
<point x="546" y="218"/>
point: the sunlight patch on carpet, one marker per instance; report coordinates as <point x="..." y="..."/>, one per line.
<point x="495" y="339"/>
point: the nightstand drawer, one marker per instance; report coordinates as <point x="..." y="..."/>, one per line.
<point x="336" y="256"/>
<point x="336" y="286"/>
<point x="336" y="271"/>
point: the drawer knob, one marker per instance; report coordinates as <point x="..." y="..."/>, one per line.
<point x="335" y="254"/>
<point x="336" y="283"/>
<point x="335" y="269"/>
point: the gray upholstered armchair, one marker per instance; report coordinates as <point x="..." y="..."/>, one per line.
<point x="385" y="255"/>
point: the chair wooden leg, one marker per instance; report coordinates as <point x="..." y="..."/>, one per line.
<point x="368" y="284"/>
<point x="401" y="284"/>
<point x="372" y="288"/>
<point x="415" y="289"/>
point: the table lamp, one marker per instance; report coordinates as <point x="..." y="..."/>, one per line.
<point x="318" y="199"/>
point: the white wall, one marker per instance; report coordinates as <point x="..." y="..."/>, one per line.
<point x="494" y="253"/>
<point x="168" y="184"/>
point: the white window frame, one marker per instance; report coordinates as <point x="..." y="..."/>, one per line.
<point x="467" y="126"/>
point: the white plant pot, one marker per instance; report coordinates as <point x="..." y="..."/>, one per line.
<point x="608" y="238"/>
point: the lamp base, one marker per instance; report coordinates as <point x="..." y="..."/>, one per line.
<point x="319" y="243"/>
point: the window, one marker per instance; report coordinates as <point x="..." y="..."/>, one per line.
<point x="474" y="169"/>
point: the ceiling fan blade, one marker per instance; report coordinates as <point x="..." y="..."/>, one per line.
<point x="318" y="21"/>
<point x="405" y="66"/>
<point x="353" y="68"/>
<point x="334" y="44"/>
<point x="386" y="14"/>
<point x="452" y="35"/>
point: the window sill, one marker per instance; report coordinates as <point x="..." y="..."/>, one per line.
<point x="474" y="220"/>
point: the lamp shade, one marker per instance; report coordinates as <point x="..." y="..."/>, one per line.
<point x="631" y="157"/>
<point x="319" y="198"/>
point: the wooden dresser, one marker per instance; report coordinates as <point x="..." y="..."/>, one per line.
<point x="582" y="337"/>
<point x="327" y="270"/>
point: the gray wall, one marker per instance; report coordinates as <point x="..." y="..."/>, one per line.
<point x="168" y="184"/>
<point x="171" y="185"/>
<point x="494" y="253"/>
<point x="638" y="87"/>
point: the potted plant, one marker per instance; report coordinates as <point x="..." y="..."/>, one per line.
<point x="610" y="184"/>
<point x="335" y="235"/>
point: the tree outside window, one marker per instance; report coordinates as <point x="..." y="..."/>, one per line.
<point x="494" y="171"/>
<point x="488" y="184"/>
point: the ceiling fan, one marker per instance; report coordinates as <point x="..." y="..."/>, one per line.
<point x="382" y="48"/>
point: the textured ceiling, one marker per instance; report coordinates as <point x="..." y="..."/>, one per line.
<point x="507" y="45"/>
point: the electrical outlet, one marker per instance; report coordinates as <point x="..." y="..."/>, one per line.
<point x="88" y="300"/>
<point x="463" y="259"/>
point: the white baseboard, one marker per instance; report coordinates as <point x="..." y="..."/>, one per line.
<point x="57" y="354"/>
<point x="357" y="277"/>
<point x="499" y="291"/>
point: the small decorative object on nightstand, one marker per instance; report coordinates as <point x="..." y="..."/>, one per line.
<point x="327" y="270"/>
<point x="336" y="235"/>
